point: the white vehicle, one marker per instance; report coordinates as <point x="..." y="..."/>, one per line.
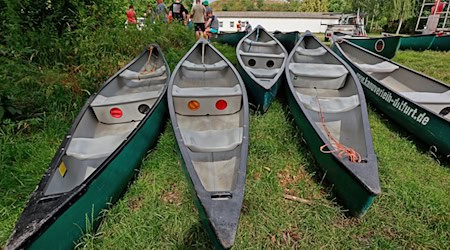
<point x="350" y="24"/>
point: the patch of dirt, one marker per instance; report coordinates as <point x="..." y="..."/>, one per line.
<point x="136" y="203"/>
<point x="172" y="196"/>
<point x="288" y="180"/>
<point x="288" y="237"/>
<point x="257" y="176"/>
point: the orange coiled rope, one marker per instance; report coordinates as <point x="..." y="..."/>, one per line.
<point x="339" y="148"/>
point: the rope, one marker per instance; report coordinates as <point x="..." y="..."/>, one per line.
<point x="146" y="70"/>
<point x="339" y="148"/>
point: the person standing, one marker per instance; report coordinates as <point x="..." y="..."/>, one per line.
<point x="248" y="27"/>
<point x="131" y="15"/>
<point x="238" y="26"/>
<point x="178" y="11"/>
<point x="198" y="15"/>
<point x="161" y="11"/>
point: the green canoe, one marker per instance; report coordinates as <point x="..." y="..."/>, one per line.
<point x="98" y="157"/>
<point x="383" y="46"/>
<point x="287" y="39"/>
<point x="441" y="43"/>
<point x="328" y="105"/>
<point x="231" y="39"/>
<point x="261" y="60"/>
<point x="209" y="110"/>
<point x="418" y="103"/>
<point x="417" y="42"/>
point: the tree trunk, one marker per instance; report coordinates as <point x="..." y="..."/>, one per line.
<point x="371" y="23"/>
<point x="399" y="25"/>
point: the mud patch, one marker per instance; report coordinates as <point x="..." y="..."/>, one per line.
<point x="172" y="196"/>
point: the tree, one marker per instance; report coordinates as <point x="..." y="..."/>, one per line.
<point x="400" y="10"/>
<point x="339" y="5"/>
<point x="314" y="6"/>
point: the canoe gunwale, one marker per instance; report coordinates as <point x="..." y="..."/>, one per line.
<point x="344" y="162"/>
<point x="77" y="192"/>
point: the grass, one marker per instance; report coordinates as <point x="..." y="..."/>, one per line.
<point x="157" y="211"/>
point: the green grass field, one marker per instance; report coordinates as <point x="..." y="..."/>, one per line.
<point x="157" y="212"/>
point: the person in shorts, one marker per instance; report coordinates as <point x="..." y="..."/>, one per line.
<point x="198" y="16"/>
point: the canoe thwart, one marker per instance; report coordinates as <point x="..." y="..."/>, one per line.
<point x="382" y="67"/>
<point x="133" y="75"/>
<point x="259" y="43"/>
<point x="218" y="66"/>
<point x="329" y="104"/>
<point x="93" y="148"/>
<point x="320" y="51"/>
<point x="209" y="141"/>
<point x="314" y="75"/>
<point x="428" y="97"/>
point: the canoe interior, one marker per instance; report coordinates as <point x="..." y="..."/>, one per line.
<point x="262" y="57"/>
<point x="323" y="86"/>
<point x="420" y="89"/>
<point x="211" y="129"/>
<point x="110" y="118"/>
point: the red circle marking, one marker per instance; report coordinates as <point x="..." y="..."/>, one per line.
<point x="116" y="113"/>
<point x="221" y="104"/>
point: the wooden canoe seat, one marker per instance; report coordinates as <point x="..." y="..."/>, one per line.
<point x="263" y="73"/>
<point x="259" y="43"/>
<point x="133" y="75"/>
<point x="329" y="104"/>
<point x="382" y="67"/>
<point x="323" y="76"/>
<point x="93" y="148"/>
<point x="252" y="54"/>
<point x="218" y="66"/>
<point x="212" y="140"/>
<point x="428" y="97"/>
<point x="311" y="52"/>
<point x="207" y="97"/>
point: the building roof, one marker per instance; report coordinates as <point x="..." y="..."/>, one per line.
<point x="277" y="14"/>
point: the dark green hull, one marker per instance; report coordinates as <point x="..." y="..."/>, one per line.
<point x="383" y="46"/>
<point x="288" y="39"/>
<point x="441" y="43"/>
<point x="260" y="97"/>
<point x="231" y="39"/>
<point x="417" y="43"/>
<point x="105" y="189"/>
<point x="424" y="124"/>
<point x="356" y="198"/>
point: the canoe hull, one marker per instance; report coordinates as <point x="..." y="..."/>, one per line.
<point x="383" y="46"/>
<point x="352" y="194"/>
<point x="417" y="43"/>
<point x="422" y="123"/>
<point x="289" y="39"/>
<point x="441" y="43"/>
<point x="107" y="188"/>
<point x="231" y="39"/>
<point x="260" y="97"/>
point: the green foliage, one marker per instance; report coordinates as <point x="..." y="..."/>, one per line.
<point x="339" y="5"/>
<point x="314" y="6"/>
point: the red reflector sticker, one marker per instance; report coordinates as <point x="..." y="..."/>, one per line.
<point x="221" y="104"/>
<point x="116" y="113"/>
